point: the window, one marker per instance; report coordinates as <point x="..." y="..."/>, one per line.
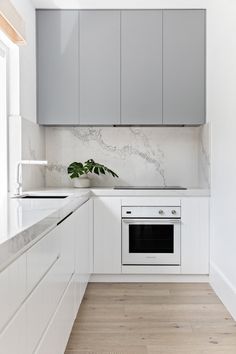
<point x="3" y="121"/>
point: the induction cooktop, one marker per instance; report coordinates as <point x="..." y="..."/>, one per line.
<point x="151" y="187"/>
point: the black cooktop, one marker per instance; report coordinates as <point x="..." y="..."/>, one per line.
<point x="151" y="187"/>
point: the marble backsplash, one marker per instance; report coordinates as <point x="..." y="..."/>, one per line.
<point x="139" y="155"/>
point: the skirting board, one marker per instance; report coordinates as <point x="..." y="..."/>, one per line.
<point x="150" y="270"/>
<point x="224" y="289"/>
<point x="148" y="278"/>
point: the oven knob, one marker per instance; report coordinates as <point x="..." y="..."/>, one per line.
<point x="161" y="212"/>
<point x="173" y="212"/>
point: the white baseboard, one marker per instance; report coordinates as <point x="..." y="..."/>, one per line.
<point x="224" y="289"/>
<point x="167" y="270"/>
<point x="148" y="278"/>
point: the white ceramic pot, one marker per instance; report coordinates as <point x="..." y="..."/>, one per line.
<point x="81" y="182"/>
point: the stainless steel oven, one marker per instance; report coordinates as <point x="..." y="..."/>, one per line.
<point x="151" y="235"/>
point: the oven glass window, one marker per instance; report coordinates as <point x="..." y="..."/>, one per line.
<point x="151" y="238"/>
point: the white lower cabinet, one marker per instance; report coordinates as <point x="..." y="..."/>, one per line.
<point x="41" y="306"/>
<point x="41" y="256"/>
<point x="76" y="229"/>
<point x="195" y="235"/>
<point x="42" y="290"/>
<point x="12" y="289"/>
<point x="66" y="264"/>
<point x="13" y="337"/>
<point x="84" y="247"/>
<point x="55" y="338"/>
<point x="107" y="235"/>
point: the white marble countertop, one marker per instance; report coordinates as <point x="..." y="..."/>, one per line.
<point x="24" y="221"/>
<point x="109" y="191"/>
<point x="99" y="192"/>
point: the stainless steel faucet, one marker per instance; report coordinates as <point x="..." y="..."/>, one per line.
<point x="19" y="171"/>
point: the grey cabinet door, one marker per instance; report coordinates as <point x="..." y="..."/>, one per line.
<point x="183" y="67"/>
<point x="141" y="67"/>
<point x="100" y="67"/>
<point x="58" y="67"/>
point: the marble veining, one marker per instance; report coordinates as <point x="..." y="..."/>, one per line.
<point x="204" y="155"/>
<point x="148" y="154"/>
<point x="140" y="155"/>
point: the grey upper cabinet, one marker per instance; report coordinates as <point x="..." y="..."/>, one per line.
<point x="100" y="67"/>
<point x="128" y="67"/>
<point x="183" y="67"/>
<point x="58" y="67"/>
<point x="141" y="67"/>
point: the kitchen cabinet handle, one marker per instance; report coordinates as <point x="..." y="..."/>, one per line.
<point x="151" y="221"/>
<point x="67" y="216"/>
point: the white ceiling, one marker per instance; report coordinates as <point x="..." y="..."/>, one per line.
<point x="118" y="4"/>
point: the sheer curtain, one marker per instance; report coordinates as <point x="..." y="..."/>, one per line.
<point x="3" y="121"/>
<point x="3" y="142"/>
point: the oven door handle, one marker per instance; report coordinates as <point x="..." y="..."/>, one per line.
<point x="151" y="221"/>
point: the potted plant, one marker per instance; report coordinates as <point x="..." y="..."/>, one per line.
<point x="79" y="172"/>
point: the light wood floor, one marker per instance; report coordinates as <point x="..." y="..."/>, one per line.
<point x="141" y="318"/>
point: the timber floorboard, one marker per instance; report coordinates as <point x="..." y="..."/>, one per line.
<point x="150" y="318"/>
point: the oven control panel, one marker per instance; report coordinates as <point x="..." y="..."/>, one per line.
<point x="170" y="212"/>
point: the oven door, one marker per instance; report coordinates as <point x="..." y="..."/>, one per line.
<point x="151" y="241"/>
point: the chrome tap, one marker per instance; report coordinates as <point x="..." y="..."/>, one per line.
<point x="19" y="171"/>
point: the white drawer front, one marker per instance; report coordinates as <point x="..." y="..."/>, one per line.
<point x="41" y="256"/>
<point x="12" y="289"/>
<point x="66" y="232"/>
<point x="13" y="338"/>
<point x="57" y="334"/>
<point x="41" y="305"/>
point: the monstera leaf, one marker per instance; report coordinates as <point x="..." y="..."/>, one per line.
<point x="77" y="169"/>
<point x="98" y="169"/>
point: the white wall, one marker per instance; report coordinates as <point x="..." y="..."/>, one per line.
<point x="27" y="62"/>
<point x="222" y="113"/>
